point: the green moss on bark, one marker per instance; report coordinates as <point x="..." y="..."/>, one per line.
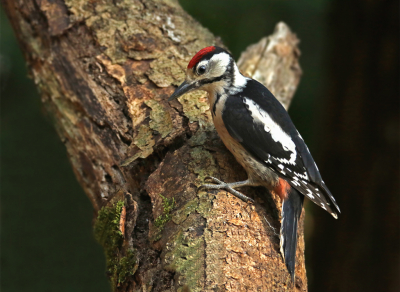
<point x="168" y="205"/>
<point x="126" y="267"/>
<point x="164" y="218"/>
<point x="106" y="228"/>
<point x="108" y="234"/>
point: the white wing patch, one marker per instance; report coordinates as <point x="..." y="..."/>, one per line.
<point x="270" y="126"/>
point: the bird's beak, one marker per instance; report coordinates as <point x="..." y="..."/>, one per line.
<point x="182" y="89"/>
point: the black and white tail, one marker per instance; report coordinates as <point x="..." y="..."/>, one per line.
<point x="291" y="211"/>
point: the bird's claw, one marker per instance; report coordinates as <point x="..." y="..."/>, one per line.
<point x="222" y="185"/>
<point x="200" y="187"/>
<point x="214" y="179"/>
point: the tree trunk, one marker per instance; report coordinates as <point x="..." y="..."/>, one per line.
<point x="105" y="70"/>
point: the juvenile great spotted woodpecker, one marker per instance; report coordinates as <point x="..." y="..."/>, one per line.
<point x="256" y="128"/>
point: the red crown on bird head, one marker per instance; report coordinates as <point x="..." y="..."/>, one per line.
<point x="200" y="55"/>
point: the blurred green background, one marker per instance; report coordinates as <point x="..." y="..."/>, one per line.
<point x="46" y="235"/>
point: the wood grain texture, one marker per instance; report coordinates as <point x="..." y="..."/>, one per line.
<point x="274" y="61"/>
<point x="105" y="70"/>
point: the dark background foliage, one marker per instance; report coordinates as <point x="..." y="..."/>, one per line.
<point x="346" y="108"/>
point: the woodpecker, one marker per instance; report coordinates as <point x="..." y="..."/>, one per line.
<point x="258" y="131"/>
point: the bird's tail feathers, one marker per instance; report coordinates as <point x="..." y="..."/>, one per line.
<point x="291" y="211"/>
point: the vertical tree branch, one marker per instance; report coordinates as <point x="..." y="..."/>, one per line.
<point x="105" y="70"/>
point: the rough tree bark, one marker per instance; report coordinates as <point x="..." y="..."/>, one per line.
<point x="105" y="70"/>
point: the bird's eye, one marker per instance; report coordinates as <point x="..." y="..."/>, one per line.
<point x="201" y="70"/>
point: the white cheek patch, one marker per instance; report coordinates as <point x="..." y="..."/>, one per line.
<point x="270" y="126"/>
<point x="220" y="62"/>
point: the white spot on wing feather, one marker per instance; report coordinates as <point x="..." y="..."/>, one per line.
<point x="303" y="176"/>
<point x="310" y="194"/>
<point x="283" y="160"/>
<point x="295" y="183"/>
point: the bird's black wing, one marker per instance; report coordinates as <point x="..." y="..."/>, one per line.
<point x="256" y="119"/>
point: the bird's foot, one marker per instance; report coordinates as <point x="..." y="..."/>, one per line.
<point x="227" y="186"/>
